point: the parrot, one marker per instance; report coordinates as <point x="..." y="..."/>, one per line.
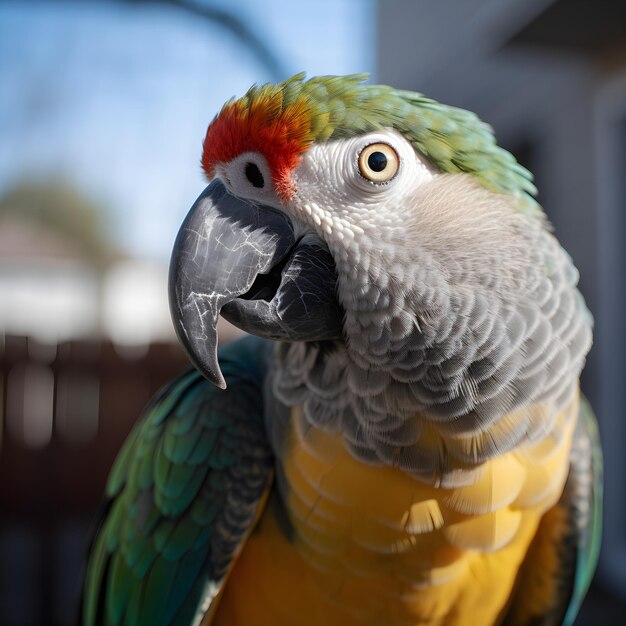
<point x="399" y="438"/>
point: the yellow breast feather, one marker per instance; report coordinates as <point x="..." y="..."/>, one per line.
<point x="372" y="545"/>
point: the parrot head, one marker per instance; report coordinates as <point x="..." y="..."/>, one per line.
<point x="389" y="223"/>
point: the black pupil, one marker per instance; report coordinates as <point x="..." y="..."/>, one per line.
<point x="253" y="174"/>
<point x="377" y="161"/>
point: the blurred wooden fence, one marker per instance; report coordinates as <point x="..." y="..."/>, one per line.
<point x="64" y="411"/>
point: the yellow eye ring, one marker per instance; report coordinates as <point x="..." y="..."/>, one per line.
<point x="378" y="162"/>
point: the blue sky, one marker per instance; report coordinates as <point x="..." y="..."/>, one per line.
<point x="116" y="98"/>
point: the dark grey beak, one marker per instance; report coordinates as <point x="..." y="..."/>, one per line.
<point x="245" y="262"/>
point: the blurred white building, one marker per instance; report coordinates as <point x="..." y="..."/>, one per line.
<point x="60" y="299"/>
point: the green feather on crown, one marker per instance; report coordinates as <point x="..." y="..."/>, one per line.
<point x="454" y="139"/>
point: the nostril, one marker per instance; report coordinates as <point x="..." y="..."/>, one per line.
<point x="253" y="174"/>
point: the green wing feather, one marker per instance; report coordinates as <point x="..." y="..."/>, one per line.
<point x="587" y="458"/>
<point x="182" y="496"/>
<point x="562" y="559"/>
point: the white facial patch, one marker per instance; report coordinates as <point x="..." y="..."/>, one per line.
<point x="249" y="176"/>
<point x="333" y="194"/>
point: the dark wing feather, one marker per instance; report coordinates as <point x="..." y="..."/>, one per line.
<point x="181" y="498"/>
<point x="563" y="556"/>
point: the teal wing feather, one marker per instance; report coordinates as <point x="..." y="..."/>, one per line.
<point x="562" y="559"/>
<point x="586" y="506"/>
<point x="182" y="497"/>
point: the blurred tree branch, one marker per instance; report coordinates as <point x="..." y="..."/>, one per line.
<point x="57" y="208"/>
<point x="238" y="27"/>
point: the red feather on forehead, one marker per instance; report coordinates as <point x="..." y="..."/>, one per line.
<point x="261" y="124"/>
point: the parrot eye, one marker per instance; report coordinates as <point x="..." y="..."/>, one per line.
<point x="378" y="162"/>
